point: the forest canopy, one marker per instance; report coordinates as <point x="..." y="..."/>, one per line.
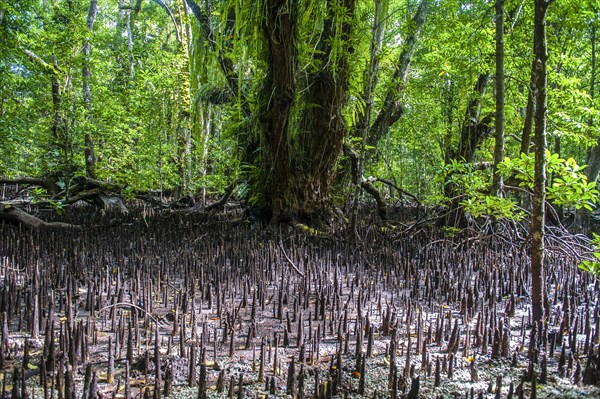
<point x="300" y="107"/>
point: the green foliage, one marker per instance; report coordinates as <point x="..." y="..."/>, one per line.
<point x="38" y="194"/>
<point x="475" y="184"/>
<point x="593" y="266"/>
<point x="568" y="186"/>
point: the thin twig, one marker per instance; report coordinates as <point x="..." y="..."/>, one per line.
<point x="289" y="260"/>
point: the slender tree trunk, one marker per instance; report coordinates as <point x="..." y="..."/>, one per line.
<point x="130" y="46"/>
<point x="529" y="112"/>
<point x="223" y="58"/>
<point x="60" y="129"/>
<point x="372" y="72"/>
<point x="124" y="26"/>
<point x="499" y="123"/>
<point x="538" y="212"/>
<point x="184" y="101"/>
<point x="593" y="156"/>
<point x="90" y="157"/>
<point x="472" y="133"/>
<point x="593" y="161"/>
<point x="474" y="129"/>
<point x="392" y="107"/>
<point x="198" y="48"/>
<point x="60" y="126"/>
<point x="371" y="78"/>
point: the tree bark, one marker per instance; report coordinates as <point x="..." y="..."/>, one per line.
<point x="538" y="213"/>
<point x="372" y="73"/>
<point x="90" y="157"/>
<point x="593" y="156"/>
<point x="183" y="107"/>
<point x="322" y="127"/>
<point x="474" y="129"/>
<point x="593" y="168"/>
<point x="499" y="122"/>
<point x="529" y="112"/>
<point x="127" y="68"/>
<point x="278" y="98"/>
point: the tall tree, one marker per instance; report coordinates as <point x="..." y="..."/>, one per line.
<point x="538" y="213"/>
<point x="499" y="122"/>
<point x="90" y="156"/>
<point x="60" y="138"/>
<point x="475" y="128"/>
<point x="322" y="126"/>
<point x="393" y="108"/>
<point x="593" y="159"/>
<point x="279" y="92"/>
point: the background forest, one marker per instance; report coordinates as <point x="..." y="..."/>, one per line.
<point x="300" y="106"/>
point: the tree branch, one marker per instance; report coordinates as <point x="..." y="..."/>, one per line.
<point x="13" y="215"/>
<point x="223" y="199"/>
<point x="52" y="69"/>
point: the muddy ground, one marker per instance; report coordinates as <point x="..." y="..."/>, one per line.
<point x="231" y="305"/>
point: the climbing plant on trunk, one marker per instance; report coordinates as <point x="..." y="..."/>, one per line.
<point x="278" y="93"/>
<point x="322" y="126"/>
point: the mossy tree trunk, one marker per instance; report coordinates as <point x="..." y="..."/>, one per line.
<point x="297" y="168"/>
<point x="296" y="140"/>
<point x="279" y="92"/>
<point x="322" y="126"/>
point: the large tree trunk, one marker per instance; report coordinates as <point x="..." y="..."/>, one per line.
<point x="322" y="127"/>
<point x="538" y="213"/>
<point x="279" y="92"/>
<point x="90" y="157"/>
<point x="295" y="170"/>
